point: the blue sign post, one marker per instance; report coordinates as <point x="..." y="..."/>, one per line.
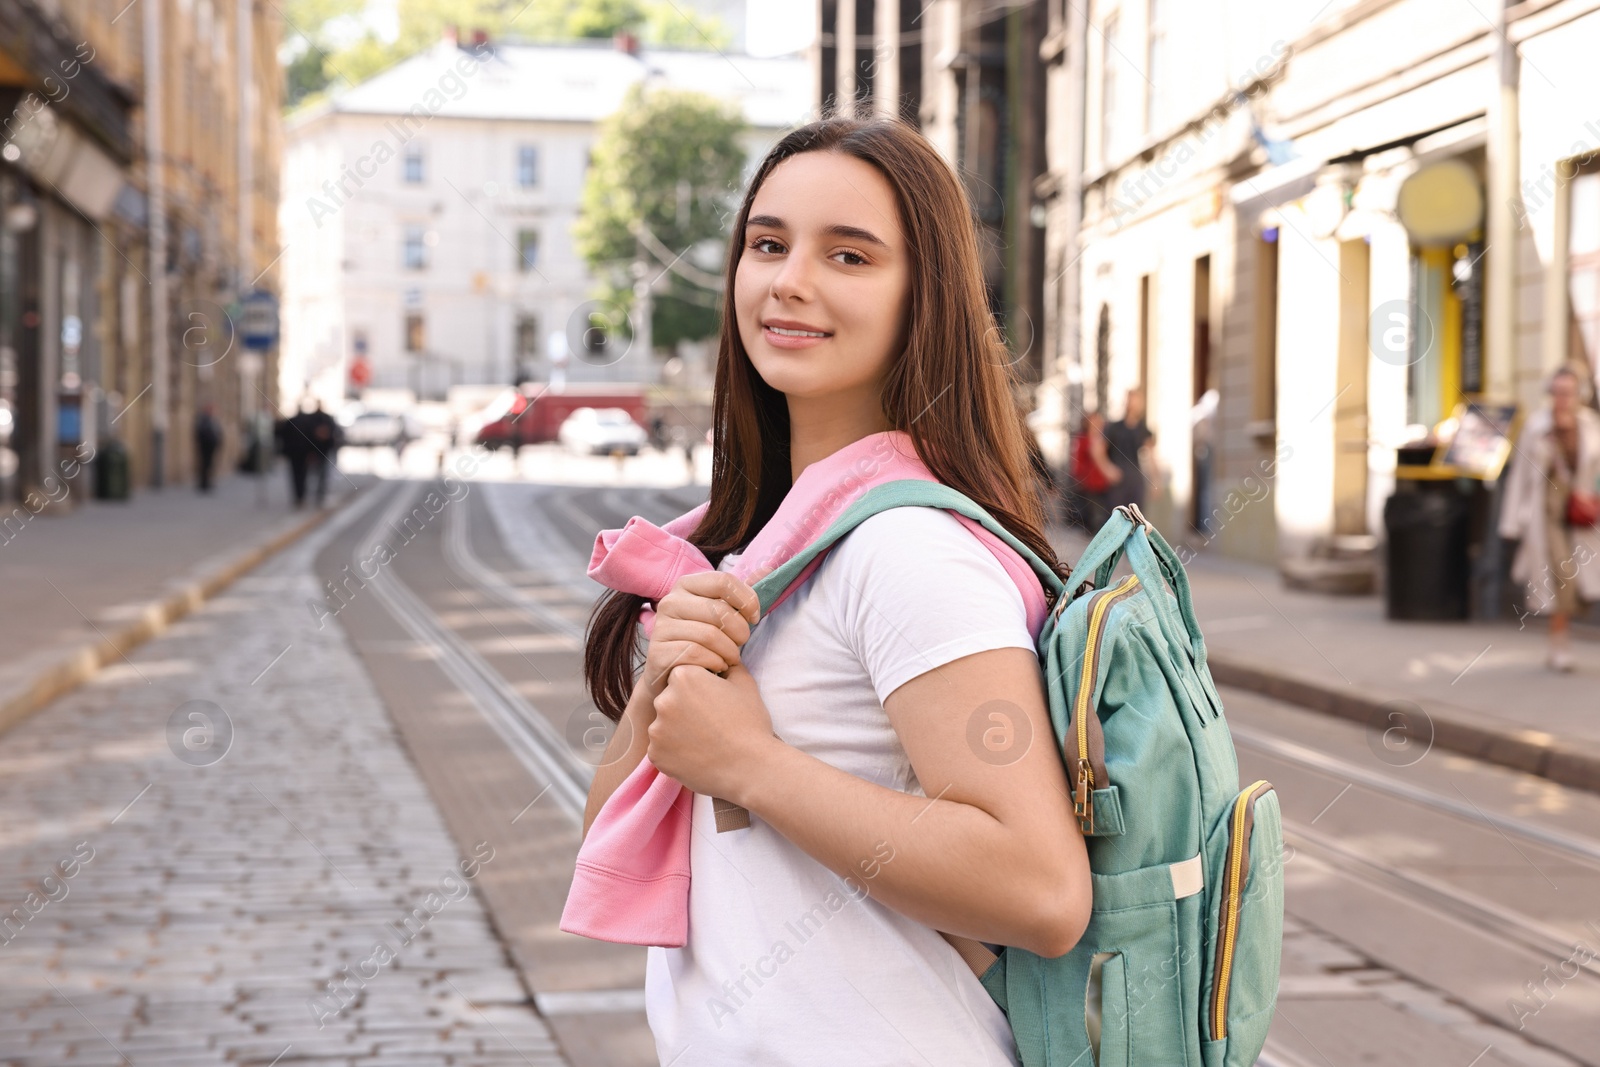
<point x="259" y="320"/>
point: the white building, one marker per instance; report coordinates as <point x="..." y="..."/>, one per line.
<point x="427" y="213"/>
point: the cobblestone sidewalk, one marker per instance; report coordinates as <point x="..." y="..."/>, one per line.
<point x="219" y="853"/>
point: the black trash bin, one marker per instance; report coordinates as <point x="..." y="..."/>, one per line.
<point x="111" y="471"/>
<point x="1428" y="527"/>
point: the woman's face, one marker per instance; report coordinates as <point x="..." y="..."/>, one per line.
<point x="823" y="283"/>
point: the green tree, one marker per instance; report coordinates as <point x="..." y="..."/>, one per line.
<point x="310" y="39"/>
<point x="672" y="161"/>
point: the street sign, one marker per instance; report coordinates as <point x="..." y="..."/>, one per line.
<point x="258" y="314"/>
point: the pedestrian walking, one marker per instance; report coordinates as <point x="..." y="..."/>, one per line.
<point x="856" y="336"/>
<point x="326" y="436"/>
<point x="1092" y="474"/>
<point x="1551" y="505"/>
<point x="294" y="441"/>
<point x="1128" y="441"/>
<point x="207" y="438"/>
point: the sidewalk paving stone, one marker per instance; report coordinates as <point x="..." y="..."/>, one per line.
<point x="108" y="575"/>
<point x="220" y="899"/>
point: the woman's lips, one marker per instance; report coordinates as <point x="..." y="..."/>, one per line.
<point x="778" y="340"/>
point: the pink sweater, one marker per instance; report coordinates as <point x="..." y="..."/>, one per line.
<point x="631" y="881"/>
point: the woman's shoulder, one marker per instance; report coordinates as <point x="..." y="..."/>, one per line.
<point x="906" y="529"/>
<point x="913" y="583"/>
<point x="922" y="541"/>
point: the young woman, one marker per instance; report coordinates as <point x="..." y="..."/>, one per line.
<point x="1557" y="458"/>
<point x="847" y="923"/>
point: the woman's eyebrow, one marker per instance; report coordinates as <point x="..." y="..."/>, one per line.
<point x="854" y="233"/>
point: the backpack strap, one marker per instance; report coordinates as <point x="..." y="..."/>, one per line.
<point x="902" y="492"/>
<point x="1149" y="555"/>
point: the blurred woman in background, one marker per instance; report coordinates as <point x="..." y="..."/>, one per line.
<point x="1552" y="504"/>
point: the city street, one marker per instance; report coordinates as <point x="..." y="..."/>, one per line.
<point x="333" y="333"/>
<point x="332" y="818"/>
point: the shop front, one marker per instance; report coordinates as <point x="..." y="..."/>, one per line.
<point x="1443" y="556"/>
<point x="64" y="151"/>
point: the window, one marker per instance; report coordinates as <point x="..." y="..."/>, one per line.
<point x="416" y="247"/>
<point x="1155" y="71"/>
<point x="413" y="164"/>
<point x="416" y="333"/>
<point x="527" y="250"/>
<point x="528" y="166"/>
<point x="1109" y="141"/>
<point x="527" y="338"/>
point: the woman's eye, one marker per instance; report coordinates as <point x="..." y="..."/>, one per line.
<point x="759" y="241"/>
<point x="860" y="259"/>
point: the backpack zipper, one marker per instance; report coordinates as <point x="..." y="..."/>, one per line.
<point x="1236" y="869"/>
<point x="1083" y="795"/>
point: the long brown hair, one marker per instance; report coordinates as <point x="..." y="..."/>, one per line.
<point x="951" y="390"/>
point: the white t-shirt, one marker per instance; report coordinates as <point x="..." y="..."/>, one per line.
<point x="787" y="964"/>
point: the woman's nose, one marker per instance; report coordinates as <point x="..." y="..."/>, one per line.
<point x="793" y="277"/>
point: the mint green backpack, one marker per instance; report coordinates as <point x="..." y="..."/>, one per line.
<point x="1179" y="964"/>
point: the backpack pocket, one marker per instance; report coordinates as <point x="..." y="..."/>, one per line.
<point x="1106" y="998"/>
<point x="1140" y="964"/>
<point x="1244" y="928"/>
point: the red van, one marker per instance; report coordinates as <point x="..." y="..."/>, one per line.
<point x="535" y="417"/>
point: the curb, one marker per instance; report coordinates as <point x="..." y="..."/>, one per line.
<point x="81" y="664"/>
<point x="1566" y="761"/>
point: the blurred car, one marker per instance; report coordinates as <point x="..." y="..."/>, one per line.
<point x="599" y="431"/>
<point x="516" y="418"/>
<point x="381" y="428"/>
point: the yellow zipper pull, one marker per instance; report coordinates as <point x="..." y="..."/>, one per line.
<point x="1083" y="798"/>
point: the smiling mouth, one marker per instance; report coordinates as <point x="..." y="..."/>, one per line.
<point x="782" y="332"/>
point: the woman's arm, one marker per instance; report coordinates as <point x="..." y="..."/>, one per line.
<point x="992" y="852"/>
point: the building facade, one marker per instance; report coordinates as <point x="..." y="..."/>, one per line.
<point x="1346" y="219"/>
<point x="427" y="212"/>
<point x="139" y="192"/>
<point x="972" y="77"/>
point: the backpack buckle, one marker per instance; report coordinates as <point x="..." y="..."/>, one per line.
<point x="1134" y="514"/>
